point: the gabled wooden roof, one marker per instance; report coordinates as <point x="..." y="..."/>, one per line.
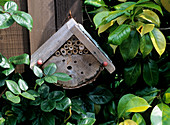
<point x="62" y="35"/>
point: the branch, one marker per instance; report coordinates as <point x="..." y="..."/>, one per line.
<point x="3" y="92"/>
<point x="168" y="28"/>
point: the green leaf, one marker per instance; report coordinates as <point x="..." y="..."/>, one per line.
<point x="160" y="115"/>
<point x="36" y="102"/>
<point x="62" y="76"/>
<point x="113" y="15"/>
<point x="13" y="87"/>
<point x="87" y="121"/>
<point x="12" y="97"/>
<point x="165" y="4"/>
<point x="100" y="95"/>
<point x="146" y="45"/>
<point x="124" y="6"/>
<point x="144" y="28"/>
<point x="128" y="122"/>
<point x="50" y="79"/>
<point x="48" y="105"/>
<point x="132" y="73"/>
<point x="2" y="2"/>
<point x="43" y="91"/>
<point x="150" y="16"/>
<point x="50" y="69"/>
<point x="4" y="62"/>
<point x="37" y="71"/>
<point x="63" y="104"/>
<point x="150" y="5"/>
<point x="47" y="119"/>
<point x="21" y="59"/>
<point x="138" y="119"/>
<point x="56" y="95"/>
<point x="33" y="93"/>
<point x="28" y="95"/>
<point x="7" y="72"/>
<point x="98" y="18"/>
<point x="121" y="33"/>
<point x="151" y="73"/>
<point x="158" y="40"/>
<point x="166" y="96"/>
<point x="23" y="19"/>
<point x="39" y="82"/>
<point x="5" y="21"/>
<point x="2" y="121"/>
<point x="130" y="46"/>
<point x="23" y="85"/>
<point x="10" y="7"/>
<point x="96" y="3"/>
<point x="1" y="9"/>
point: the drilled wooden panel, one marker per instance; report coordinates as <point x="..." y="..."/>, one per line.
<point x="43" y="13"/>
<point x="63" y="7"/>
<point x="82" y="68"/>
<point x="14" y="40"/>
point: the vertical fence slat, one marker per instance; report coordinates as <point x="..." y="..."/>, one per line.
<point x="43" y="13"/>
<point x="14" y="40"/>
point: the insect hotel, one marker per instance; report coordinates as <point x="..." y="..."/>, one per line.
<point x="75" y="53"/>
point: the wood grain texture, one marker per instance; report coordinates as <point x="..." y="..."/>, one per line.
<point x="92" y="48"/>
<point x="53" y="43"/>
<point x="44" y="26"/>
<point x="82" y="68"/>
<point x="63" y="7"/>
<point x="14" y="40"/>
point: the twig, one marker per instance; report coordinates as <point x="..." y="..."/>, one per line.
<point x="88" y="15"/>
<point x="168" y="28"/>
<point x="3" y="92"/>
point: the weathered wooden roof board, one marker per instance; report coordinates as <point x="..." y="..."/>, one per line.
<point x="62" y="35"/>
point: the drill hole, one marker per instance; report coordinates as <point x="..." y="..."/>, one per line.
<point x="63" y="60"/>
<point x="90" y="64"/>
<point x="82" y="73"/>
<point x="75" y="61"/>
<point x="69" y="67"/>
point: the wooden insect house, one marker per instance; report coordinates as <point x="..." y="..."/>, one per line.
<point x="75" y="53"/>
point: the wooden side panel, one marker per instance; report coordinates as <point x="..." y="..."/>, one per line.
<point x="14" y="40"/>
<point x="63" y="7"/>
<point x="43" y="13"/>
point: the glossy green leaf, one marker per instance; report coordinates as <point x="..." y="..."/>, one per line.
<point x="150" y="16"/>
<point x="23" y="85"/>
<point x="2" y="121"/>
<point x="128" y="122"/>
<point x="158" y="40"/>
<point x="37" y="71"/>
<point x="43" y="91"/>
<point x="131" y="73"/>
<point x="7" y="72"/>
<point x="96" y="3"/>
<point x="63" y="104"/>
<point x="2" y="2"/>
<point x="87" y="121"/>
<point x="130" y="46"/>
<point x="56" y="95"/>
<point x="50" y="69"/>
<point x="23" y="19"/>
<point x="36" y="102"/>
<point x="5" y="21"/>
<point x="33" y="93"/>
<point x="101" y="9"/>
<point x="100" y="95"/>
<point x="1" y="9"/>
<point x="39" y="82"/>
<point x="21" y="59"/>
<point x="50" y="79"/>
<point x="166" y="96"/>
<point x="138" y="119"/>
<point x="113" y="15"/>
<point x="165" y="4"/>
<point x="121" y="33"/>
<point x="124" y="6"/>
<point x="150" y="73"/>
<point x="47" y="119"/>
<point x="144" y="28"/>
<point x="104" y="27"/>
<point x="151" y="5"/>
<point x="160" y="115"/>
<point x="146" y="45"/>
<point x="98" y="18"/>
<point x="62" y="76"/>
<point x="10" y="7"/>
<point x="68" y="123"/>
<point x="27" y="95"/>
<point x="48" y="105"/>
<point x="121" y="109"/>
<point x="12" y="97"/>
<point x="4" y="62"/>
<point x="13" y="87"/>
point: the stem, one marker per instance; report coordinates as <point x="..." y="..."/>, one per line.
<point x="68" y="116"/>
<point x="35" y="86"/>
<point x="3" y="92"/>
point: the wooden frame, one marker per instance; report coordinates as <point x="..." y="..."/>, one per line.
<point x="61" y="36"/>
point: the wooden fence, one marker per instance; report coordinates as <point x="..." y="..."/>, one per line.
<point x="48" y="17"/>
